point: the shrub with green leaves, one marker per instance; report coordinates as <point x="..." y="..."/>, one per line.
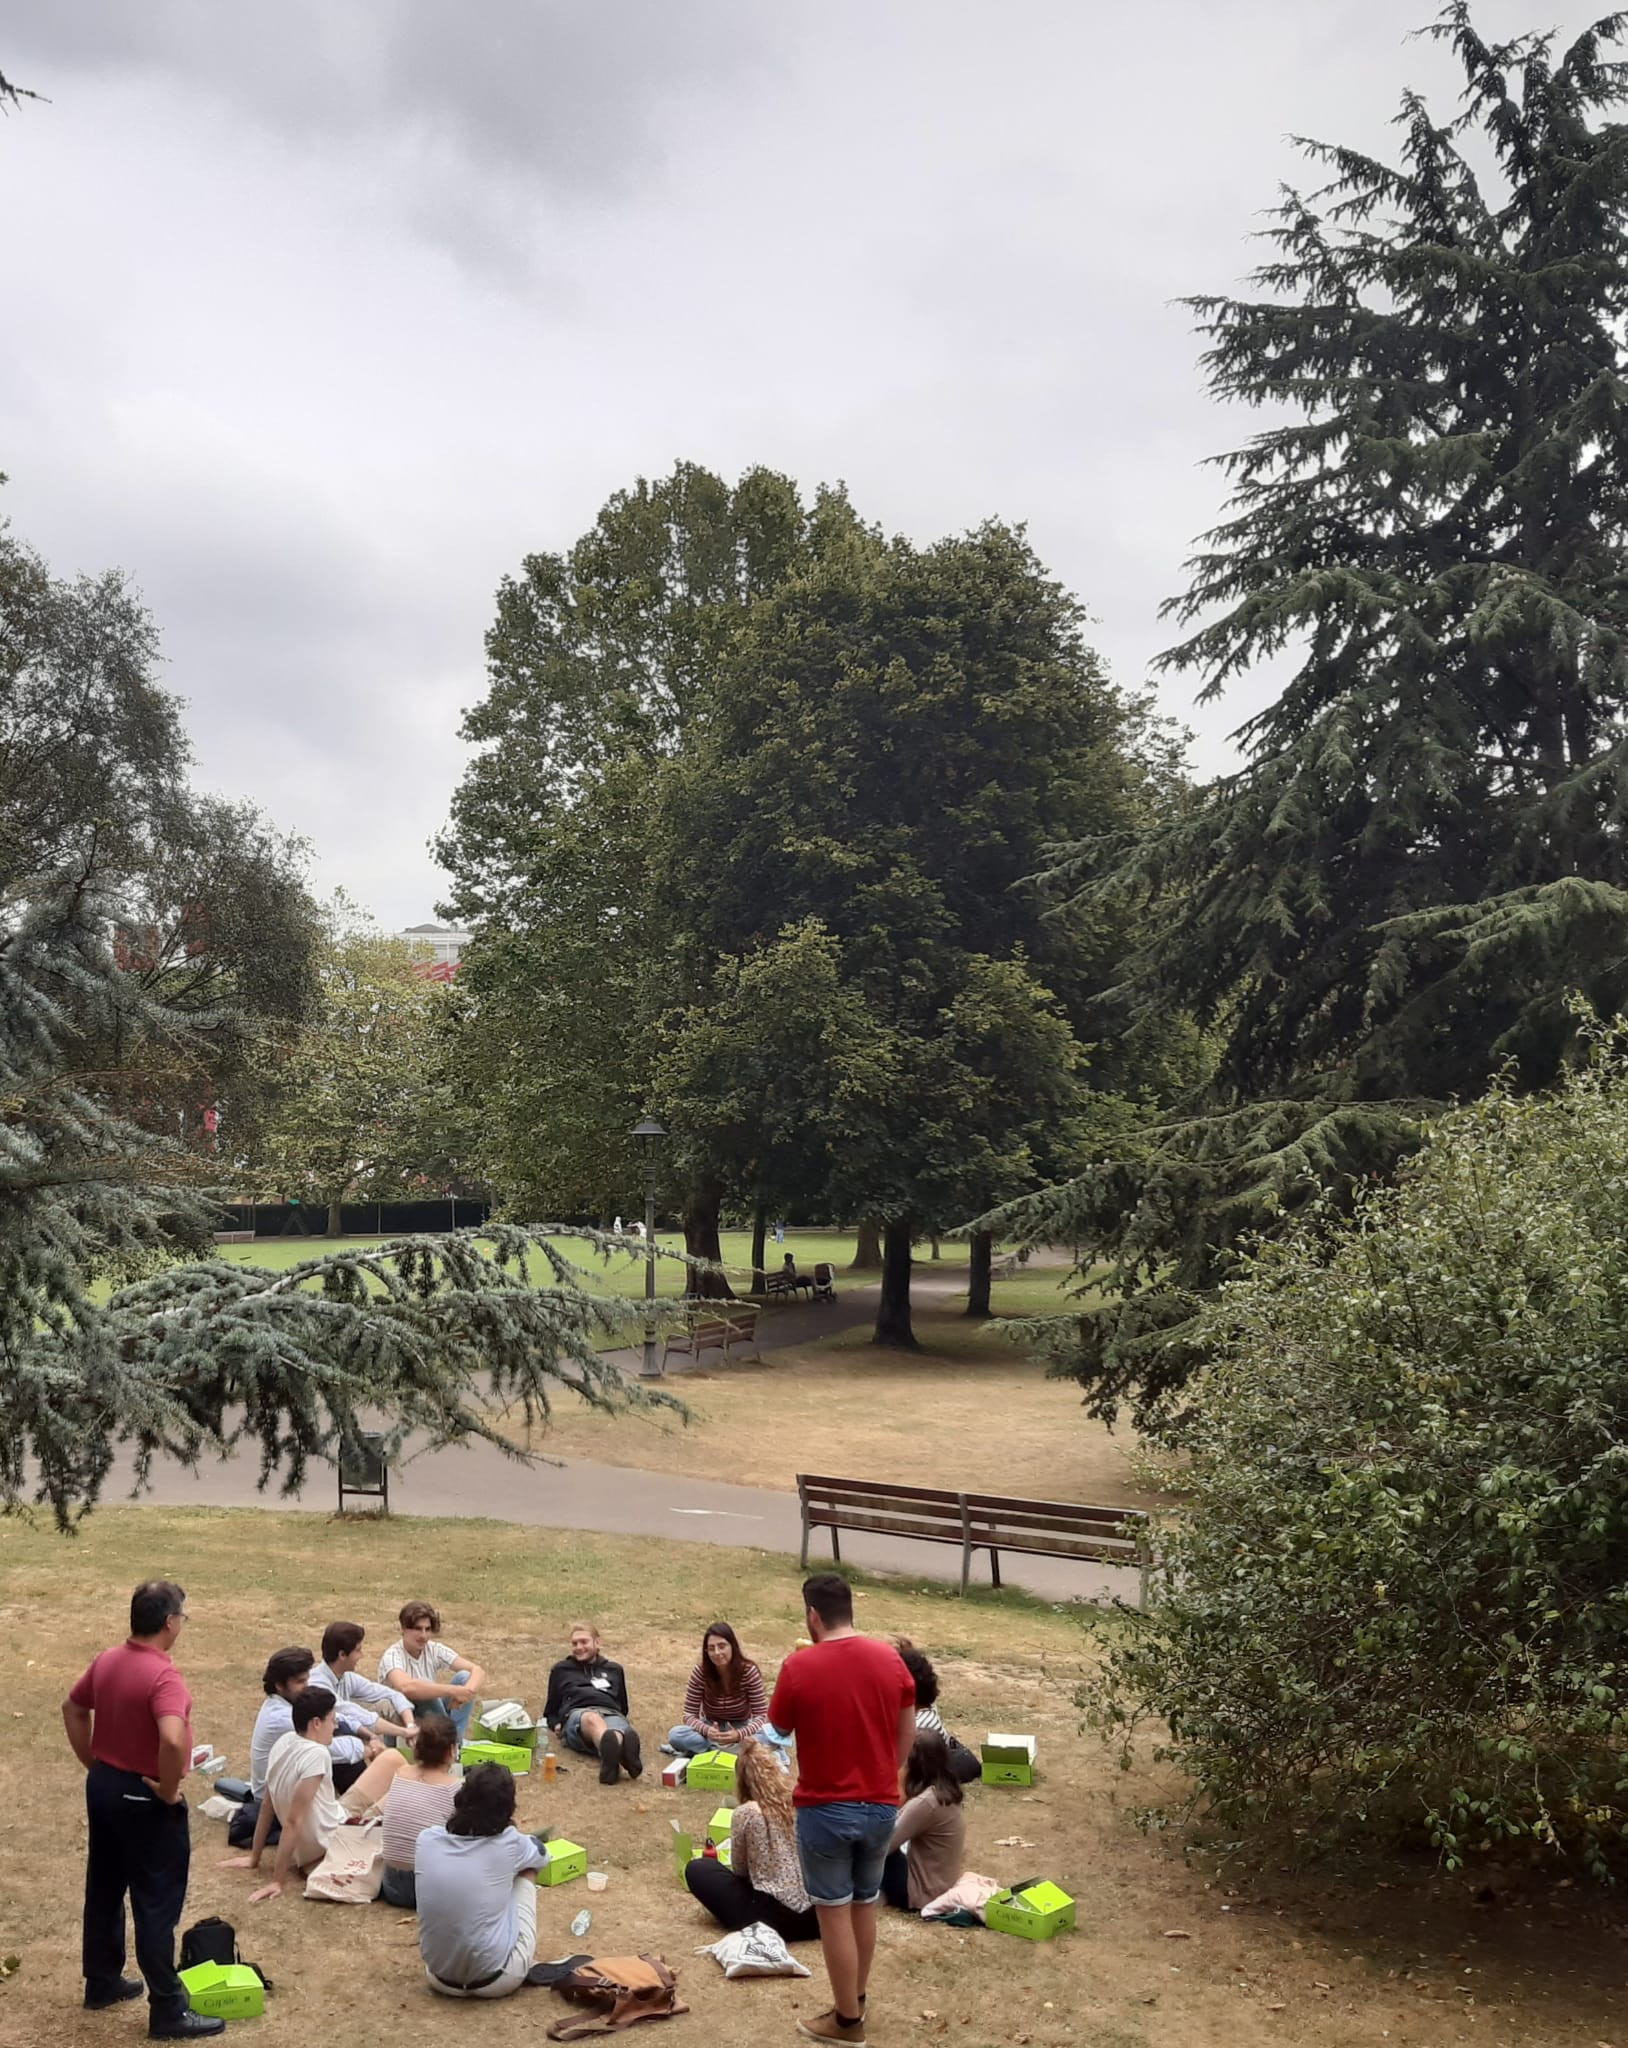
<point x="1395" y="1606"/>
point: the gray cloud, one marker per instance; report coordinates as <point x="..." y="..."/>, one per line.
<point x="321" y="316"/>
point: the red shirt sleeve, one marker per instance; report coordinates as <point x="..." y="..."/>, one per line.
<point x="83" y="1692"/>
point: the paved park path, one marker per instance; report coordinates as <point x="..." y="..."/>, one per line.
<point x="475" y="1479"/>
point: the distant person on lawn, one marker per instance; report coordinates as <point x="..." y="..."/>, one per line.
<point x="927" y="1849"/>
<point x="420" y="1798"/>
<point x="300" y="1793"/>
<point x="851" y="1704"/>
<point x="725" y="1703"/>
<point x="763" y="1879"/>
<point x="587" y="1705"/>
<point x="431" y="1673"/>
<point x="129" y="1722"/>
<point x="477" y="1892"/>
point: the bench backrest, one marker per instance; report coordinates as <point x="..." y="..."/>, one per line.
<point x="1058" y="1528"/>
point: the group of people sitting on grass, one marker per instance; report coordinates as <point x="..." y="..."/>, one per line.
<point x="330" y="1745"/>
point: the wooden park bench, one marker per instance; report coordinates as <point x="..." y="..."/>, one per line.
<point x="976" y="1521"/>
<point x="233" y="1236"/>
<point x="714" y="1333"/>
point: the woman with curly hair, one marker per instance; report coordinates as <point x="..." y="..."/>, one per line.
<point x="763" y="1879"/>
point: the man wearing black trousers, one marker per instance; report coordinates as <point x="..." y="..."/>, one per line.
<point x="129" y="1721"/>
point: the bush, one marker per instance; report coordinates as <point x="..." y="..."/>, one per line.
<point x="1396" y="1605"/>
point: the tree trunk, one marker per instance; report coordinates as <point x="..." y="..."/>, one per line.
<point x="980" y="1263"/>
<point x="760" y="1229"/>
<point x="336" y="1224"/>
<point x="701" y="1209"/>
<point x="868" y="1257"/>
<point x="893" y="1311"/>
<point x="937" y="1254"/>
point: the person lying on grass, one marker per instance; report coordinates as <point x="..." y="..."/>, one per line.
<point x="724" y="1703"/>
<point x="587" y="1706"/>
<point x="762" y="1879"/>
<point x="431" y="1673"/>
<point x="927" y="1849"/>
<point x="300" y="1793"/>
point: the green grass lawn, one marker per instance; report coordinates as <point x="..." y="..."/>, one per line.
<point x="620" y="1275"/>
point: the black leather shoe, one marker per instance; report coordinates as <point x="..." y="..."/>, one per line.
<point x="186" y="2026"/>
<point x="610" y="1757"/>
<point x="129" y="1987"/>
<point x="632" y="1761"/>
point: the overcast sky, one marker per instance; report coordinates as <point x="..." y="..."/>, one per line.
<point x="320" y="316"/>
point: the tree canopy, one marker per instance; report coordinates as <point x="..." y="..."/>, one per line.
<point x="1423" y="857"/>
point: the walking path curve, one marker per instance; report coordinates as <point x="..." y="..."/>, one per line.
<point x="621" y="1501"/>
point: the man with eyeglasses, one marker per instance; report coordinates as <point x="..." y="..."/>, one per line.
<point x="129" y="1722"/>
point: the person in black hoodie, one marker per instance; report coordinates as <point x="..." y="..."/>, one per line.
<point x="588" y="1708"/>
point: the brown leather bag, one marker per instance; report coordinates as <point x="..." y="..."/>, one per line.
<point x="621" y="1990"/>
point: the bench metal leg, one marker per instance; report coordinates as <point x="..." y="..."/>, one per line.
<point x="802" y="1561"/>
<point x="994" y="1566"/>
<point x="836" y="1547"/>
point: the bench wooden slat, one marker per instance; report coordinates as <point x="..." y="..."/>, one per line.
<point x="814" y="1482"/>
<point x="1055" y="1507"/>
<point x="1106" y="1519"/>
<point x="874" y="1525"/>
<point x="937" y="1510"/>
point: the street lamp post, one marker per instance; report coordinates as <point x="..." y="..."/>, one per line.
<point x="649" y="1134"/>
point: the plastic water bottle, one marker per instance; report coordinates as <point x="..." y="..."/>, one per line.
<point x="581" y="1924"/>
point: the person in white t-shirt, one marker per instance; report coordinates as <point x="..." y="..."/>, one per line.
<point x="300" y="1793"/>
<point x="431" y="1673"/>
<point x="477" y="1891"/>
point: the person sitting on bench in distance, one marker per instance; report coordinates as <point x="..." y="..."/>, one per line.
<point x="376" y="1709"/>
<point x="431" y="1673"/>
<point x="763" y="1879"/>
<point x="420" y="1798"/>
<point x="477" y="1891"/>
<point x="926" y="1852"/>
<point x="300" y="1793"/>
<point x="724" y="1703"/>
<point x="587" y="1706"/>
<point x="965" y="1764"/>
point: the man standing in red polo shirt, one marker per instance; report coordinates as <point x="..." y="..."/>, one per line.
<point x="129" y="1720"/>
<point x="852" y="1706"/>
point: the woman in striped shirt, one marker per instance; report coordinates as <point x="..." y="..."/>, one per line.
<point x="724" y="1703"/>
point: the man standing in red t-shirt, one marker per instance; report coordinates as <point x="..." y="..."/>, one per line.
<point x="129" y="1719"/>
<point x="851" y="1704"/>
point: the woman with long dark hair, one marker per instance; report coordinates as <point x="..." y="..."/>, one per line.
<point x="763" y="1879"/>
<point x="477" y="1891"/>
<point x="928" y="1844"/>
<point x="725" y="1703"/>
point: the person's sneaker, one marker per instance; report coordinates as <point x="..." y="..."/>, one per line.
<point x="129" y="1987"/>
<point x="827" y="2027"/>
<point x="667" y="1749"/>
<point x="610" y="1757"/>
<point x="191" y="2026"/>
<point x="632" y="1761"/>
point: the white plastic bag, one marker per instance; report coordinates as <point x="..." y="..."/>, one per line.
<point x="756" y="1951"/>
<point x="504" y="1714"/>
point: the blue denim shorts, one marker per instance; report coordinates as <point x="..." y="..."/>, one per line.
<point x="571" y="1730"/>
<point x="842" y="1848"/>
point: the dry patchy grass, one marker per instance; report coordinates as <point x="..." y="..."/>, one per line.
<point x="1280" y="1962"/>
<point x="968" y="1406"/>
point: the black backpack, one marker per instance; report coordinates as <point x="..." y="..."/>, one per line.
<point x="209" y="1941"/>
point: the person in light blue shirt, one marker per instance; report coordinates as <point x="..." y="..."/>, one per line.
<point x="373" y="1708"/>
<point x="477" y="1891"/>
<point x="287" y="1674"/>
